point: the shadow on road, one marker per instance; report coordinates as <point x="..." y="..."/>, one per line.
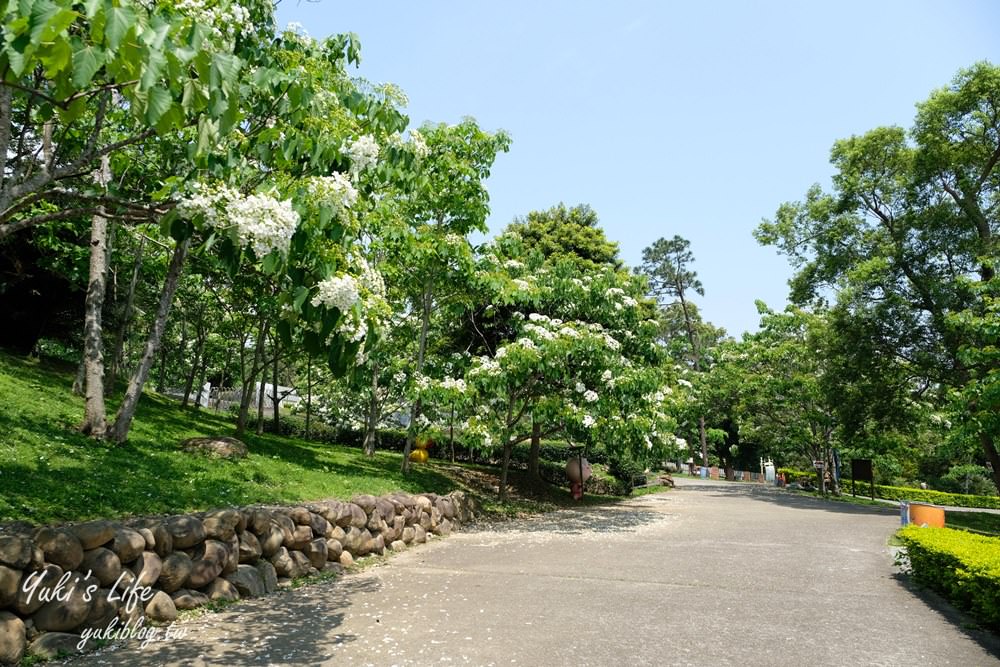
<point x="598" y="519"/>
<point x="962" y="621"/>
<point x="785" y="498"/>
<point x="280" y="629"/>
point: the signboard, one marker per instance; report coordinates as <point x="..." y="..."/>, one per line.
<point x="861" y="470"/>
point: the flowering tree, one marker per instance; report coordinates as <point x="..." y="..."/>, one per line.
<point x="430" y="254"/>
<point x="282" y="195"/>
<point x="581" y="370"/>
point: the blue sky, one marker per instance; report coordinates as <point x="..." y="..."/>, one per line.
<point x="694" y="118"/>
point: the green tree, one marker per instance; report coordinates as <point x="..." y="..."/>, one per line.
<point x="567" y="233"/>
<point x="667" y="266"/>
<point x="912" y="216"/>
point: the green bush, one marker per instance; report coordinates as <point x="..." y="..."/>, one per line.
<point x="962" y="566"/>
<point x="627" y="471"/>
<point x="971" y="479"/>
<point x="795" y="474"/>
<point x="927" y="496"/>
<point x="600" y="482"/>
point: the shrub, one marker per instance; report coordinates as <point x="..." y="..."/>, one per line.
<point x="600" y="483"/>
<point x="927" y="496"/>
<point x="795" y="474"/>
<point x="627" y="471"/>
<point x="962" y="566"/>
<point x="970" y="479"/>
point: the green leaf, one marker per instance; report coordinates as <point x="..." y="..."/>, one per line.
<point x="208" y="132"/>
<point x="58" y="24"/>
<point x="271" y="263"/>
<point x="86" y="62"/>
<point x="285" y="332"/>
<point x="151" y="69"/>
<point x="301" y="294"/>
<point x="225" y="70"/>
<point x="41" y="13"/>
<point x="55" y="58"/>
<point x="158" y="102"/>
<point x="120" y="20"/>
<point x="312" y="342"/>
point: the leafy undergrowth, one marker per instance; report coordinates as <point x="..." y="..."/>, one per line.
<point x="51" y="473"/>
<point x="525" y="495"/>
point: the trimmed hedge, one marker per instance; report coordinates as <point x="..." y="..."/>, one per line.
<point x="963" y="567"/>
<point x="927" y="496"/>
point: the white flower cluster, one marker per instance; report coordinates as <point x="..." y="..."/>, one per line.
<point x="340" y="292"/>
<point x="451" y="383"/>
<point x="335" y="191"/>
<point x="260" y="221"/>
<point x="486" y="366"/>
<point x="225" y="20"/>
<point x="590" y="396"/>
<point x="588" y="421"/>
<point x="263" y="222"/>
<point x="522" y="285"/>
<point x="418" y="144"/>
<point x="363" y="153"/>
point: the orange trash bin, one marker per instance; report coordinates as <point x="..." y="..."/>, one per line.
<point x="926" y="515"/>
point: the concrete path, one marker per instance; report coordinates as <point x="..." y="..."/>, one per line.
<point x="709" y="574"/>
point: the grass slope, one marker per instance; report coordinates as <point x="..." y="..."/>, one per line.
<point x="50" y="473"/>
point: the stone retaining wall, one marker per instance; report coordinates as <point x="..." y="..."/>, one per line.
<point x="59" y="582"/>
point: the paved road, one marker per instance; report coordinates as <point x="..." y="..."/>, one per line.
<point x="710" y="574"/>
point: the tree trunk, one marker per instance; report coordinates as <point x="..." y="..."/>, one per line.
<point x="123" y="420"/>
<point x="704" y="441"/>
<point x="195" y="363"/>
<point x="411" y="433"/>
<point x="116" y="355"/>
<point x="260" y="401"/>
<point x="451" y="433"/>
<point x="80" y="381"/>
<point x="989" y="448"/>
<point x="536" y="447"/>
<point x="504" y="467"/>
<point x="94" y="420"/>
<point x="371" y="423"/>
<point x="201" y="382"/>
<point x="276" y="417"/>
<point x="161" y="380"/>
<point x="508" y="446"/>
<point x="247" y="381"/>
<point x="309" y="393"/>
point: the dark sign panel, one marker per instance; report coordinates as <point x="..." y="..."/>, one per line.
<point x="861" y="470"/>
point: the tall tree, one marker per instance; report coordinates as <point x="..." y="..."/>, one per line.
<point x="571" y="233"/>
<point x="906" y="234"/>
<point x="667" y="265"/>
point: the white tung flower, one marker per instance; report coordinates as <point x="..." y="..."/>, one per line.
<point x="363" y="153"/>
<point x="418" y="144"/>
<point x="340" y="292"/>
<point x="580" y="388"/>
<point x="588" y="421"/>
<point x="590" y="396"/>
<point x="334" y="190"/>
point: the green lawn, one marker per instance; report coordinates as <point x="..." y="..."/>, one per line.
<point x="978" y="522"/>
<point x="50" y="473"/>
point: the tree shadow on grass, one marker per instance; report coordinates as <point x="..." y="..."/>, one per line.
<point x="297" y="627"/>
